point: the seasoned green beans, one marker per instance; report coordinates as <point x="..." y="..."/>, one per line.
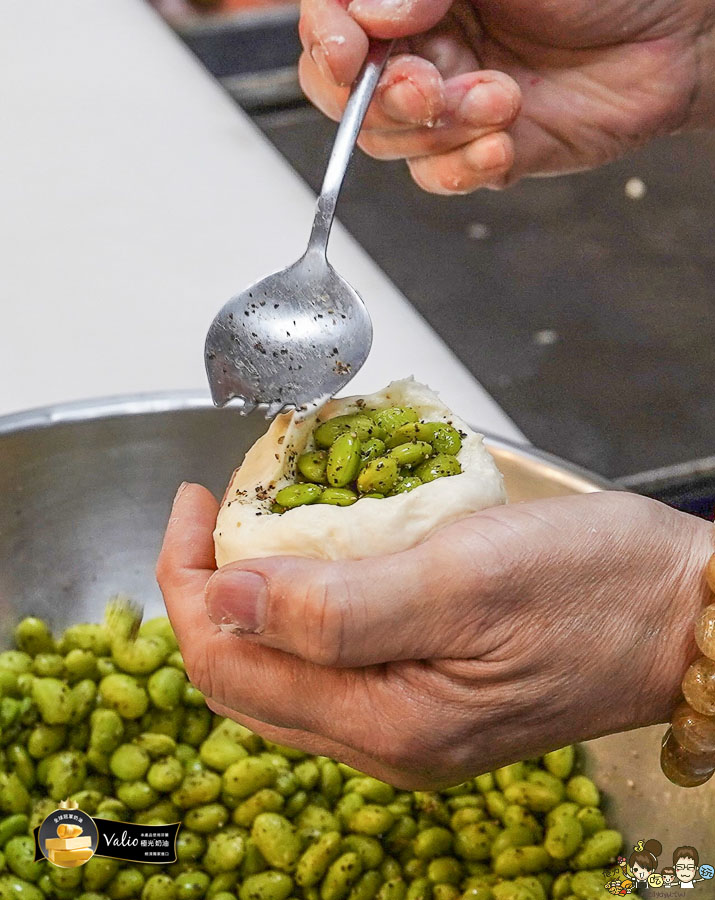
<point x="374" y="453"/>
<point x="110" y="720"/>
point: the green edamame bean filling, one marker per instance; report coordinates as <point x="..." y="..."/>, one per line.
<point x="374" y="453"/>
<point x="261" y="821"/>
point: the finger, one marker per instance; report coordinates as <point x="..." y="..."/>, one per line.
<point x="320" y="746"/>
<point x="393" y="20"/>
<point x="187" y="555"/>
<point x="261" y="682"/>
<point x="477" y="104"/>
<point x="333" y="39"/>
<point x="402" y="606"/>
<point x="410" y="92"/>
<point x="485" y="162"/>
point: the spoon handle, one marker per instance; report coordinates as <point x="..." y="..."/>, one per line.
<point x="348" y="130"/>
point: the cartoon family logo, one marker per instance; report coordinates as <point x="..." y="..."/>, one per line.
<point x="640" y="870"/>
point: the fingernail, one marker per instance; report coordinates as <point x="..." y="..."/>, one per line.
<point x="486" y="104"/>
<point x="180" y="491"/>
<point x="320" y="58"/>
<point x="404" y="102"/>
<point x="237" y="599"/>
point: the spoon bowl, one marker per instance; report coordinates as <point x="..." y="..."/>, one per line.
<point x="297" y="331"/>
<point x="298" y="336"/>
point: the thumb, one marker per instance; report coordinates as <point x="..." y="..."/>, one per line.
<point x="417" y="604"/>
<point x="397" y="18"/>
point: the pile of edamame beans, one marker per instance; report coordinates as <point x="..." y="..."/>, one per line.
<point x="373" y="453"/>
<point x="110" y="720"/>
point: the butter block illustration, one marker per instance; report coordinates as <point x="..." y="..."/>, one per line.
<point x="68" y="831"/>
<point x="69" y="843"/>
<point x="65" y="857"/>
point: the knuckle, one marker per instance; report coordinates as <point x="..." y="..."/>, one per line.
<point x="324" y="622"/>
<point x="375" y="146"/>
<point x="199" y="669"/>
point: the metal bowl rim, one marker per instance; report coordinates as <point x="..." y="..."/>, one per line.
<point x="147" y="403"/>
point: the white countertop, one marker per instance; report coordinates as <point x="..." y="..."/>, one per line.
<point x="136" y="198"/>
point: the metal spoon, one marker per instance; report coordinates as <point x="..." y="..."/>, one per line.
<point x="300" y="335"/>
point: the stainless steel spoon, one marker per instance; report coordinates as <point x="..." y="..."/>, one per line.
<point x="300" y="335"/>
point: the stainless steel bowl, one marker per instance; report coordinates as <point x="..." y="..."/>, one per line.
<point x="85" y="491"/>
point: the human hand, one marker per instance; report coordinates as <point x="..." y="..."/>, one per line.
<point x="593" y="81"/>
<point x="502" y="636"/>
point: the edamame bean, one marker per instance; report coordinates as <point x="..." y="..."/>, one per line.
<point x="277" y="840"/>
<point x="343" y="460"/>
<point x="446" y="439"/>
<point x="14" y="888"/>
<point x="516" y="836"/>
<point x="224" y="851"/>
<point x="560" y="762"/>
<point x="583" y="791"/>
<point x="564" y="837"/>
<point x="405" y="484"/>
<point x="126" y="884"/>
<point x="298" y="495"/>
<point x="165" y="687"/>
<point x="438" y="466"/>
<point x="340" y="877"/>
<point x="436" y="841"/>
<point x="46" y="665"/>
<point x="79" y="664"/>
<point x="514" y="861"/>
<point x="588" y="885"/>
<point x="221" y="749"/>
<point x="536" y="797"/>
<point x="33" y="636"/>
<point x="371" y="449"/>
<point x="371" y="819"/>
<point x="561" y="887"/>
<point x="191" y="885"/>
<point x="246" y="776"/>
<point x="159" y="887"/>
<point x="197" y="789"/>
<point x="591" y="819"/>
<point x="129" y="762"/>
<point x="367" y="886"/>
<point x="53" y="698"/>
<point x="165" y="775"/>
<point x="11" y="826"/>
<point x="392" y="418"/>
<point x="137" y="795"/>
<point x="266" y="886"/>
<point x="140" y="656"/>
<point x="264" y="800"/>
<point x="410" y="454"/>
<point x="19" y="857"/>
<point x="66" y="773"/>
<point x="364" y="427"/>
<point x="98" y="871"/>
<point x="159" y="626"/>
<point x="367" y="848"/>
<point x="473" y="842"/>
<point x="507" y="775"/>
<point x="206" y="819"/>
<point x="124" y="695"/>
<point x="378" y="475"/>
<point x="598" y="850"/>
<point x="338" y="497"/>
<point x="445" y="870"/>
<point x="312" y="466"/>
<point x="15" y="661"/>
<point x="393" y="889"/>
<point x="315" y="860"/>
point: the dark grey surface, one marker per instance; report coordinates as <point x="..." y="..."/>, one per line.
<point x="628" y="287"/>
